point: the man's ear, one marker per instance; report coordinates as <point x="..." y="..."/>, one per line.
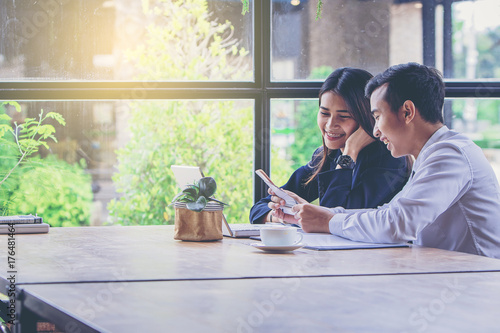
<point x="408" y="111"/>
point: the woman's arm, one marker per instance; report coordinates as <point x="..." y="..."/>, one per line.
<point x="375" y="179"/>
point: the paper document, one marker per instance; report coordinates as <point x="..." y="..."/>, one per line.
<point x="320" y="241"/>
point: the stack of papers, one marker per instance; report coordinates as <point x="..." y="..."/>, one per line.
<point x="319" y="241"/>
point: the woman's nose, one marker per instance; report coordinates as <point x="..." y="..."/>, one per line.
<point x="331" y="123"/>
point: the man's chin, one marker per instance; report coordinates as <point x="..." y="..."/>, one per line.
<point x="395" y="154"/>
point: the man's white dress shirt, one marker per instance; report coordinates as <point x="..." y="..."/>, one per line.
<point x="452" y="201"/>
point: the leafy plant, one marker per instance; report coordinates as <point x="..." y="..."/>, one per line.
<point x="197" y="196"/>
<point x="28" y="136"/>
<point x="18" y="144"/>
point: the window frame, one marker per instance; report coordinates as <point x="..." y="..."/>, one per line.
<point x="262" y="90"/>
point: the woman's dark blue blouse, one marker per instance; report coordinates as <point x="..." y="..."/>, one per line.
<point x="375" y="179"/>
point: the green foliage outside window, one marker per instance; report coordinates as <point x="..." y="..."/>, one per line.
<point x="307" y="135"/>
<point x="183" y="43"/>
<point x="57" y="191"/>
<point x="485" y="65"/>
<point x="9" y="156"/>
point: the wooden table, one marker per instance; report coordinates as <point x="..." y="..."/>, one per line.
<point x="456" y="302"/>
<point x="139" y="279"/>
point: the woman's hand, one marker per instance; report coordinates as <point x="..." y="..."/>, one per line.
<point x="276" y="204"/>
<point x="356" y="142"/>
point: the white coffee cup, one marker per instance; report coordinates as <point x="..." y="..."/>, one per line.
<point x="280" y="236"/>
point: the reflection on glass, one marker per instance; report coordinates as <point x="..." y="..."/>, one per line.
<point x="116" y="156"/>
<point x="125" y="40"/>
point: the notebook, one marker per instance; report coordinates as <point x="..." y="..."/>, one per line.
<point x="20" y="219"/>
<point x="185" y="175"/>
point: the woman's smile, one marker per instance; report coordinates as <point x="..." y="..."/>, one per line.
<point x="333" y="136"/>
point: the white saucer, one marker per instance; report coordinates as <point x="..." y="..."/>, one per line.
<point x="263" y="247"/>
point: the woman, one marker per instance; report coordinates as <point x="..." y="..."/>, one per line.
<point x="351" y="169"/>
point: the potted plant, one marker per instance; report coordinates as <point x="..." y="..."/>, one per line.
<point x="198" y="216"/>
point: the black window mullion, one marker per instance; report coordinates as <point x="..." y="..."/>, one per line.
<point x="448" y="56"/>
<point x="429" y="32"/>
<point x="262" y="138"/>
<point x="262" y="55"/>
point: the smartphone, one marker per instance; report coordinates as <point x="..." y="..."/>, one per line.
<point x="289" y="201"/>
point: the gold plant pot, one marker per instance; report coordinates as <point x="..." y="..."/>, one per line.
<point x="203" y="226"/>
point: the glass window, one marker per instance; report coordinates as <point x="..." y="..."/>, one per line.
<point x="125" y="40"/>
<point x="479" y="119"/>
<point x="476" y="39"/>
<point x="294" y="136"/>
<point x="366" y="34"/>
<point x="143" y="84"/>
<point x="111" y="162"/>
<point x="377" y="34"/>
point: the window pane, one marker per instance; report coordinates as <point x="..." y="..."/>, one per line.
<point x="111" y="162"/>
<point x="294" y="136"/>
<point x="479" y="119"/>
<point x="125" y="40"/>
<point x="377" y="34"/>
<point x="476" y="39"/>
<point x="367" y="34"/>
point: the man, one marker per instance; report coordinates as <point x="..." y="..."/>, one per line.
<point x="452" y="200"/>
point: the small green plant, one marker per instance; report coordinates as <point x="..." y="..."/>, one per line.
<point x="19" y="143"/>
<point x="29" y="136"/>
<point x="197" y="196"/>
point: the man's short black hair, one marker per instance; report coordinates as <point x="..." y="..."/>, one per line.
<point x="420" y="84"/>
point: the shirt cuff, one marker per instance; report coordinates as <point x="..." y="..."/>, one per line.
<point x="336" y="223"/>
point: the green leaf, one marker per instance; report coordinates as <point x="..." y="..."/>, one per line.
<point x="191" y="191"/>
<point x="4" y="129"/>
<point x="46" y="130"/>
<point x="16" y="105"/>
<point x="207" y="186"/>
<point x="56" y="116"/>
<point x="319" y="8"/>
<point x="197" y="206"/>
<point x="245" y="8"/>
<point x="5" y="117"/>
<point x="178" y="197"/>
